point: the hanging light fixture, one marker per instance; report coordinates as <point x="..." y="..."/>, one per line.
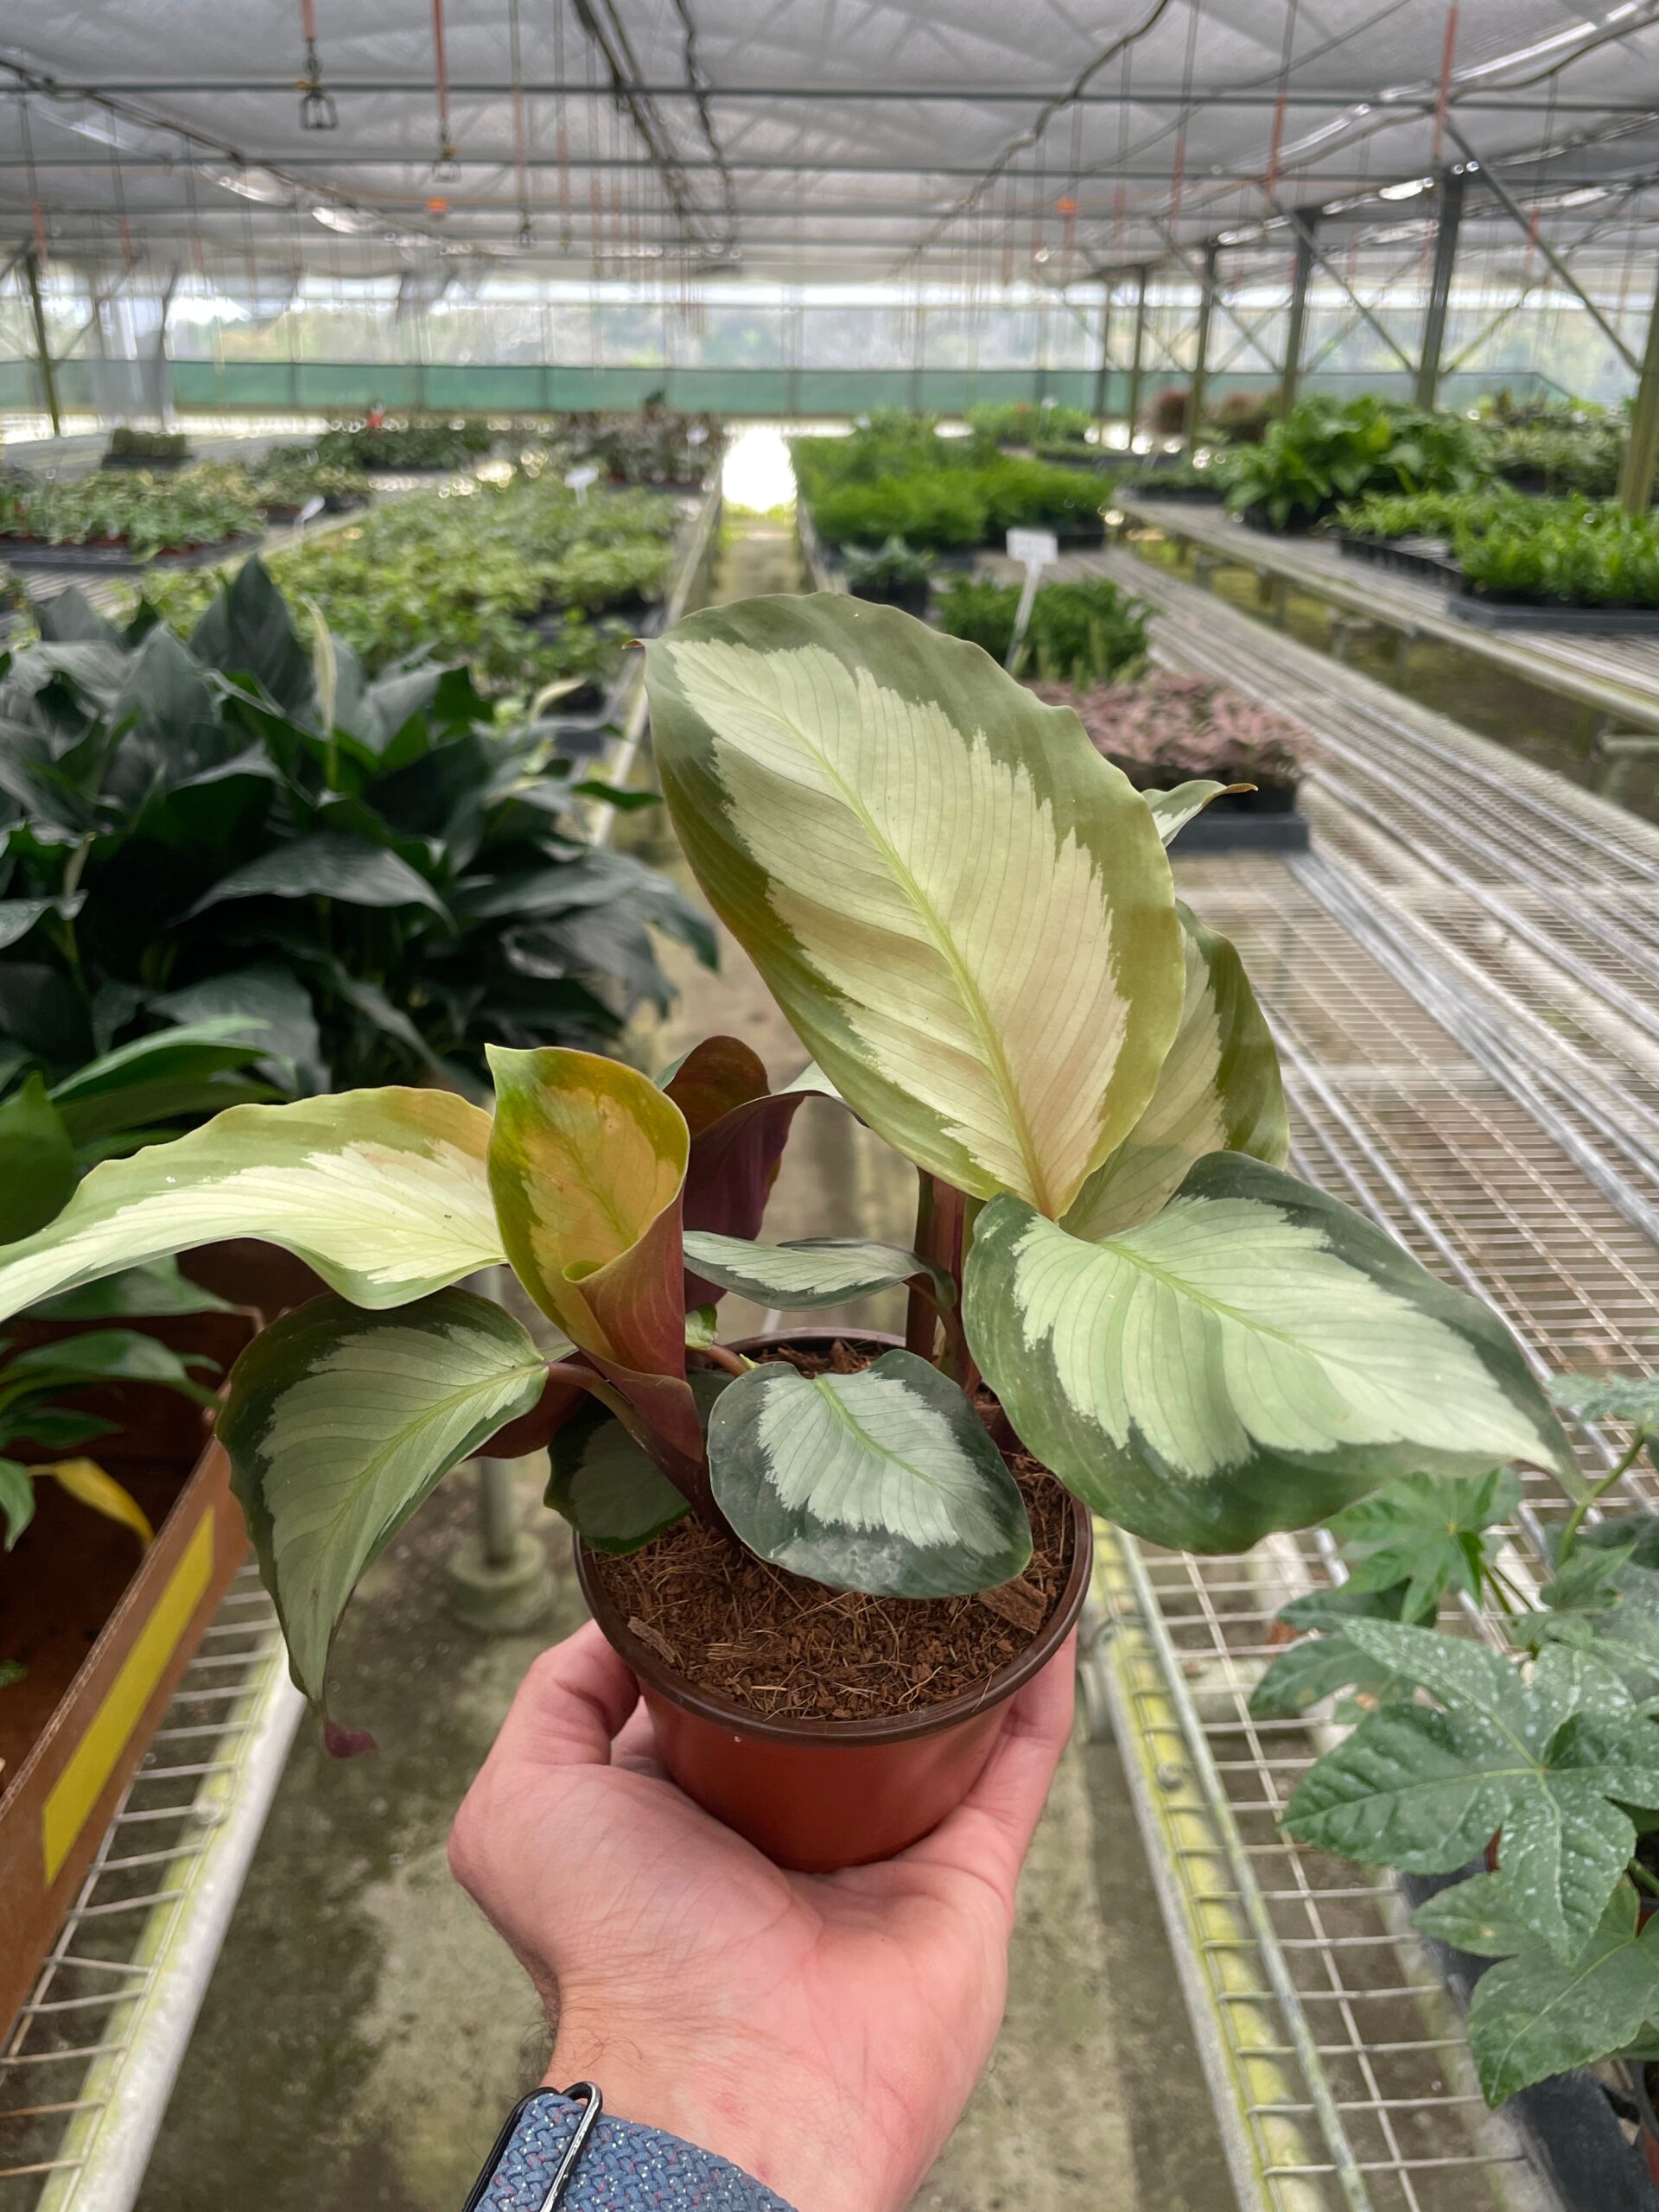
<point x="317" y="108"/>
<point x="446" y="169"/>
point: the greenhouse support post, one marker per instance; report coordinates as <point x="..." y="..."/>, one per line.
<point x="49" y="378"/>
<point x="1305" y="220"/>
<point x="1450" y="188"/>
<point x="1137" y="358"/>
<point x="1641" y="446"/>
<point x="1201" y="349"/>
<point x="1103" y="370"/>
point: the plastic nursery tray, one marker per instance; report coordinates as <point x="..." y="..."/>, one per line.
<point x="1197" y="495"/>
<point x="160" y="467"/>
<point x="116" y="561"/>
<point x="1213" y="832"/>
<point x="1532" y="614"/>
<point x="1406" y="557"/>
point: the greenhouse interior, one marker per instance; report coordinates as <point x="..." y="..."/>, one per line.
<point x="830" y="1106"/>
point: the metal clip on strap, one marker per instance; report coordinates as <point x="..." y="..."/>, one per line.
<point x="593" y="2104"/>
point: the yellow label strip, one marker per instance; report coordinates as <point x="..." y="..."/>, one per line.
<point x="94" y="1758"/>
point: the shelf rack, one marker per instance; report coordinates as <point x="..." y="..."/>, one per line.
<point x="86" y="2068"/>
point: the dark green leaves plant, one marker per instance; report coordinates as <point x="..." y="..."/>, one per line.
<point x="190" y="838"/>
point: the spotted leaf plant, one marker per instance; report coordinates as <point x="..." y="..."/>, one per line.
<point x="968" y="918"/>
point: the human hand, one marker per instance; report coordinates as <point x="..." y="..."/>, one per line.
<point x="822" y="2032"/>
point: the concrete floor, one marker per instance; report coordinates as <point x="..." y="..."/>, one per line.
<point x="366" y="2032"/>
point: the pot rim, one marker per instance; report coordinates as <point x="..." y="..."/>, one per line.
<point x="654" y="1672"/>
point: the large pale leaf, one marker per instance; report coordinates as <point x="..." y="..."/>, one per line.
<point x="1218" y="1090"/>
<point x="1173" y="809"/>
<point x="1252" y="1357"/>
<point x="608" y="1490"/>
<point x="339" y="1423"/>
<point x="587" y="1162"/>
<point x="885" y="1481"/>
<point x="1546" y="1764"/>
<point x="383" y="1193"/>
<point x="811" y="1272"/>
<point x="965" y="911"/>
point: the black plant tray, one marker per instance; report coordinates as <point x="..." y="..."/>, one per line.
<point x="1213" y="831"/>
<point x="155" y="467"/>
<point x="1534" y="614"/>
<point x="1078" y="533"/>
<point x="1300" y="525"/>
<point x="116" y="561"/>
<point x="1406" y="557"/>
<point x="912" y="599"/>
<point x="1569" y="2122"/>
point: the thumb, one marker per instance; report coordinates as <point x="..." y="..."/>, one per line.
<point x="569" y="1708"/>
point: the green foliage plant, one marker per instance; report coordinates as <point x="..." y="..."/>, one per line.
<point x="1079" y="634"/>
<point x="1329" y="451"/>
<point x="240" y="829"/>
<point x="1532" y="1770"/>
<point x="1561" y="552"/>
<point x="448" y="444"/>
<point x="130" y="511"/>
<point x="130" y="444"/>
<point x="1005" y="987"/>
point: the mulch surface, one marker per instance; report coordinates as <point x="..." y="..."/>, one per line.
<point x="727" y="1622"/>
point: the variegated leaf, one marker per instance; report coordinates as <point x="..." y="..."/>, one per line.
<point x="587" y="1162"/>
<point x="810" y="1271"/>
<point x="1218" y="1090"/>
<point x="606" y="1486"/>
<point x="1173" y="809"/>
<point x="340" y="1423"/>
<point x="964" y="911"/>
<point x="885" y="1481"/>
<point x="383" y="1193"/>
<point x="1251" y="1358"/>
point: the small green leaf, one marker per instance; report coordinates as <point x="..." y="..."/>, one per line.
<point x="16" y="1499"/>
<point x="1427" y="1531"/>
<point x="1632" y="1398"/>
<point x="1476" y="1916"/>
<point x="702" y="1328"/>
<point x="339" y="1423"/>
<point x="1538" y="2014"/>
<point x="37" y="1161"/>
<point x="810" y="1271"/>
<point x="11" y="1670"/>
<point x="1549" y="1762"/>
<point x="885" y="1481"/>
<point x="1319" y="1666"/>
<point x="605" y="1485"/>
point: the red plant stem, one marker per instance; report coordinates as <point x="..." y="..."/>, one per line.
<point x="733" y="1362"/>
<point x="941" y="1212"/>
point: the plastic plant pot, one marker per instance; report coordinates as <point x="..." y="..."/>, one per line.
<point x="815" y="1796"/>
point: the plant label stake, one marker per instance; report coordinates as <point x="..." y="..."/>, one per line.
<point x="1037" y="549"/>
<point x="312" y="507"/>
<point x="580" y="479"/>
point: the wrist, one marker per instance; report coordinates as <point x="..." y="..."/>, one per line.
<point x="816" y="2160"/>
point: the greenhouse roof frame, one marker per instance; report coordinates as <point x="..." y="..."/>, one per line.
<point x="852" y="139"/>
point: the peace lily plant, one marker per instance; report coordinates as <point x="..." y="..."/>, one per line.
<point x="968" y="918"/>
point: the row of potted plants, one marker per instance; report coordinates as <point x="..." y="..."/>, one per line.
<point x="1119" y="1302"/>
<point x="894" y="476"/>
<point x="439" y="444"/>
<point x="526" y="580"/>
<point x="126" y="518"/>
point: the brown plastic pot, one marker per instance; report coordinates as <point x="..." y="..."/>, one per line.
<point x="819" y="1795"/>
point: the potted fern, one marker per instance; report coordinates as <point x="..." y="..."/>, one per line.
<point x="1119" y="1303"/>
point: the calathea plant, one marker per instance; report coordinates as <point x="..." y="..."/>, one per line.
<point x="968" y="918"/>
<point x="1532" y="1772"/>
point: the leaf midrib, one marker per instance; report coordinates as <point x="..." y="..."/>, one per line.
<point x="849" y="1421"/>
<point x="978" y="1011"/>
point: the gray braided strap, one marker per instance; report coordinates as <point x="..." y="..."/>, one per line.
<point x="625" y="2168"/>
